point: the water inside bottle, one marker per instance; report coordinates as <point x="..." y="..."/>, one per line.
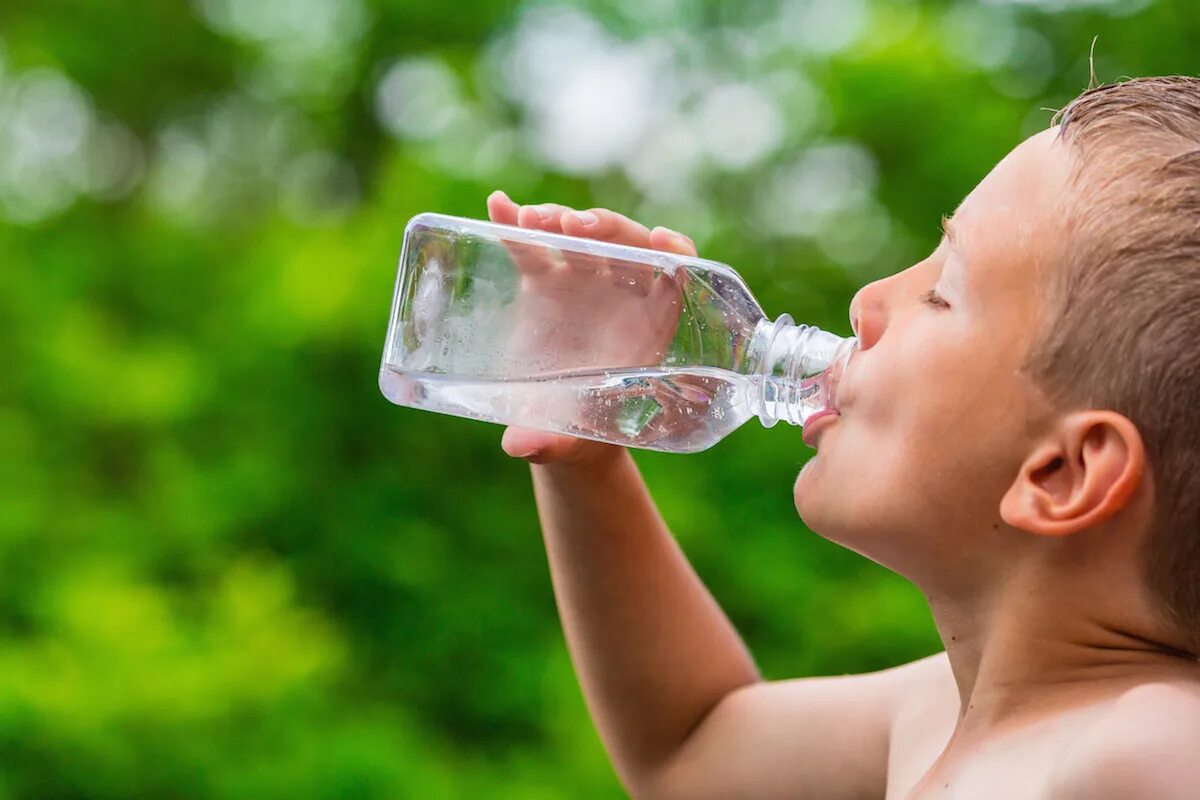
<point x="673" y="410"/>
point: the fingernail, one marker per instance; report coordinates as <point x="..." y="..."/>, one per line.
<point x="503" y="194"/>
<point x="585" y="218"/>
<point x="541" y="212"/>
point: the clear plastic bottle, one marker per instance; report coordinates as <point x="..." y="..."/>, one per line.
<point x="632" y="346"/>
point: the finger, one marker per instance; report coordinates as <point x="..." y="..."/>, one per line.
<point x="645" y="281"/>
<point x="672" y="241"/>
<point x="529" y="259"/>
<point x="536" y="447"/>
<point x="501" y="208"/>
<point x="608" y="226"/>
<point x="544" y="217"/>
<point x="524" y="443"/>
<point x="662" y="238"/>
<point x="534" y="259"/>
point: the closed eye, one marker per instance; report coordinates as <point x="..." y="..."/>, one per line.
<point x="932" y="298"/>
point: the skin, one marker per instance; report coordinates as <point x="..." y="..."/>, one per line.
<point x="1021" y="523"/>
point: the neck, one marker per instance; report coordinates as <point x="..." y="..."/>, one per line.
<point x="1053" y="639"/>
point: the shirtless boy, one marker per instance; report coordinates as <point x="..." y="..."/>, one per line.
<point x="1019" y="436"/>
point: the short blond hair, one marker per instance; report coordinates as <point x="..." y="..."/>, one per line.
<point x="1122" y="323"/>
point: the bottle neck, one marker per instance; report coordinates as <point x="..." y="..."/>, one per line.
<point x="797" y="370"/>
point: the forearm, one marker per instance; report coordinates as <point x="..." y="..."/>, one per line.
<point x="653" y="651"/>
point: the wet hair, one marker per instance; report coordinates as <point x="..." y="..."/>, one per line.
<point x="1121" y="328"/>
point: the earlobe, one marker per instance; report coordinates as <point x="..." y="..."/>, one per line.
<point x="1085" y="472"/>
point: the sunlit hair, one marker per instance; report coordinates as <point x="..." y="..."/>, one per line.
<point x="1121" y="328"/>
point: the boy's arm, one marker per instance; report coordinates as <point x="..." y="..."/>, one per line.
<point x="653" y="651"/>
<point x="826" y="738"/>
<point x="673" y="691"/>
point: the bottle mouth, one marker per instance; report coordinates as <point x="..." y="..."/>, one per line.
<point x="837" y="369"/>
<point x="818" y="395"/>
<point x="800" y="372"/>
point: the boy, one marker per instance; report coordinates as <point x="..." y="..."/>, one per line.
<point x="1018" y="435"/>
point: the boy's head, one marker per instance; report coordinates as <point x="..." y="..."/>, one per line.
<point x="1029" y="395"/>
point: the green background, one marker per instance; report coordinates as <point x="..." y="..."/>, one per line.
<point x="229" y="567"/>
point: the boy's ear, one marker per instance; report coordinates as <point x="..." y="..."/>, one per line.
<point x="1081" y="474"/>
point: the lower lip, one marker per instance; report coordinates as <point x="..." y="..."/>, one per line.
<point x="814" y="425"/>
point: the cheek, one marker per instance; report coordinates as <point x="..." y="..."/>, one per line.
<point x="897" y="460"/>
<point x="926" y="444"/>
<point x="943" y="378"/>
<point x="910" y="385"/>
<point x="925" y="422"/>
<point x="874" y="489"/>
<point x="871" y="490"/>
<point x="937" y="450"/>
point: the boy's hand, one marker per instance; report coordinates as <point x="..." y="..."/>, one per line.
<point x="538" y="447"/>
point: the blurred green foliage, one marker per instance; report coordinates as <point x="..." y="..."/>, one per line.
<point x="231" y="569"/>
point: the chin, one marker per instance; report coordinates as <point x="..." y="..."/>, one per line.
<point x="807" y="489"/>
<point x="808" y="497"/>
<point x="827" y="511"/>
<point x="877" y="527"/>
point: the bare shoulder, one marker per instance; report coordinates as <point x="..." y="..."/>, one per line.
<point x="923" y="719"/>
<point x="924" y="688"/>
<point x="931" y="673"/>
<point x="1145" y="745"/>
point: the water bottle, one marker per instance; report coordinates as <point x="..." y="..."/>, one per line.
<point x="619" y="344"/>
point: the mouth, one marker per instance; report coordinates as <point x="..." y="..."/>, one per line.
<point x="816" y="423"/>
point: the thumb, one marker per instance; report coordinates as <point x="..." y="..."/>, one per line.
<point x="536" y="447"/>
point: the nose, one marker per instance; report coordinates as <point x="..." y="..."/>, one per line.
<point x="868" y="315"/>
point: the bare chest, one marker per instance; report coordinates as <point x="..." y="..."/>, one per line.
<point x="928" y="762"/>
<point x="1001" y="777"/>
